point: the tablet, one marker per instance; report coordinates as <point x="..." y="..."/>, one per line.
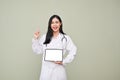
<point x="53" y="55"/>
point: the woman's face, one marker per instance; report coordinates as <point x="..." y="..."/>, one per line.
<point x="55" y="25"/>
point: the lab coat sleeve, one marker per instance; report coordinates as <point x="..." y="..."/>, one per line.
<point x="37" y="45"/>
<point x="71" y="50"/>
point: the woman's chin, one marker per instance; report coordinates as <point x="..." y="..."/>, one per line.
<point x="55" y="30"/>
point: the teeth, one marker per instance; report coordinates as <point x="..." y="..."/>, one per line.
<point x="55" y="27"/>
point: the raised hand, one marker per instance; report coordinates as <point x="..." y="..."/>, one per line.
<point x="37" y="34"/>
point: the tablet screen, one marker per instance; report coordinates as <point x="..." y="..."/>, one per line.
<point x="53" y="55"/>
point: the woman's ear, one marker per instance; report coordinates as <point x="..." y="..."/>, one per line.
<point x="60" y="24"/>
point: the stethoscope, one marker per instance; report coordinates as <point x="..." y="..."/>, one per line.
<point x="64" y="38"/>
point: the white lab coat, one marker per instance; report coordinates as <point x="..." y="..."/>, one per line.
<point x="50" y="70"/>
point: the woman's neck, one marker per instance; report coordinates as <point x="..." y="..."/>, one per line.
<point x="55" y="34"/>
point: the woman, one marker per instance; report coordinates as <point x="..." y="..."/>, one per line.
<point x="54" y="39"/>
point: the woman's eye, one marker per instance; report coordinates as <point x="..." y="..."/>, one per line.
<point x="56" y="22"/>
<point x="52" y="23"/>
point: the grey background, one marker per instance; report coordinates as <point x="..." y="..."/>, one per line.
<point x="93" y="25"/>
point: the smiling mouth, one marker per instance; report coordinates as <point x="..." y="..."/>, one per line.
<point x="55" y="27"/>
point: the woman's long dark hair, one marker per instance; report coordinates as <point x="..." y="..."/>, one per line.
<point x="49" y="34"/>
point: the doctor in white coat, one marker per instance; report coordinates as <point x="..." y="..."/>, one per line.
<point x="55" y="38"/>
